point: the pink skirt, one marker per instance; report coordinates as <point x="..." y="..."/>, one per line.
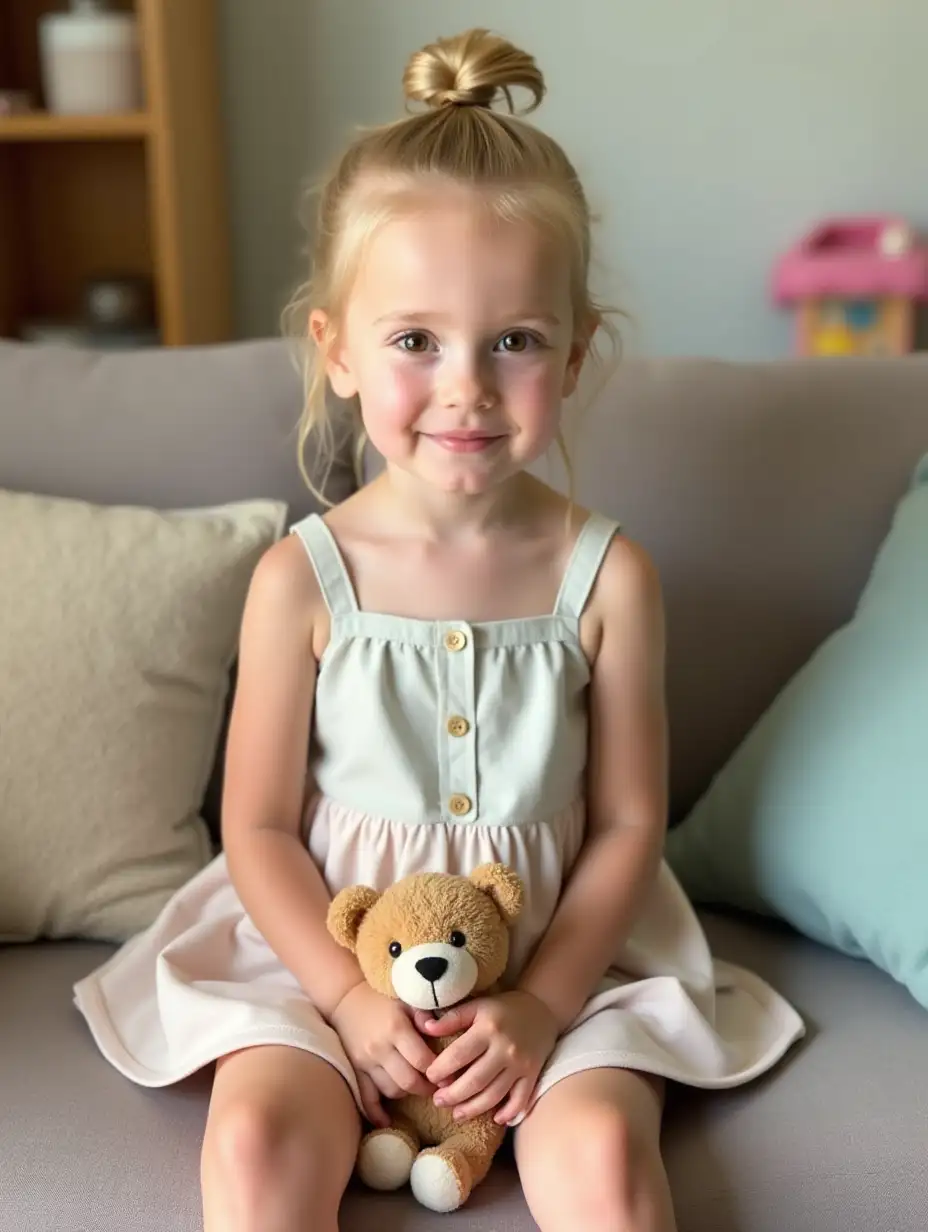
<point x="202" y="982"/>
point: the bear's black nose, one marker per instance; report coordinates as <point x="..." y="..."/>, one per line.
<point x="432" y="969"/>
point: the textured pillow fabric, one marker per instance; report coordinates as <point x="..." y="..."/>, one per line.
<point x="821" y="816"/>
<point x="118" y="626"/>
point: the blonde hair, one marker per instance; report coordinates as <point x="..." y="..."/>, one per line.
<point x="457" y="138"/>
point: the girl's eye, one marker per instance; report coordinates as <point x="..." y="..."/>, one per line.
<point x="516" y="342"/>
<point x="395" y="949"/>
<point x="458" y="940"/>
<point x="415" y="342"/>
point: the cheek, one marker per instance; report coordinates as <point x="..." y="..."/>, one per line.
<point x="534" y="395"/>
<point x="392" y="396"/>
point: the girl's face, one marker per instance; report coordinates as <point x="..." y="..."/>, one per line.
<point x="460" y="342"/>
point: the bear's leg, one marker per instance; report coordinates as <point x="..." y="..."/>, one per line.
<point x="386" y="1156"/>
<point x="444" y="1176"/>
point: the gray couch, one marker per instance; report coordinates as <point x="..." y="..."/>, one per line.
<point x="763" y="491"/>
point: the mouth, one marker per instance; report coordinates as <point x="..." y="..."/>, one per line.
<point x="465" y="442"/>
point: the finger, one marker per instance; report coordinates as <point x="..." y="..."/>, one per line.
<point x="458" y="1019"/>
<point x="422" y="1018"/>
<point x="385" y="1083"/>
<point x="370" y="1102"/>
<point x="415" y="1050"/>
<point x="487" y="1100"/>
<point x="516" y="1104"/>
<point x="462" y="1052"/>
<point x="476" y="1078"/>
<point x="406" y="1076"/>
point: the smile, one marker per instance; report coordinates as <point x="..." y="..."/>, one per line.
<point x="464" y="442"/>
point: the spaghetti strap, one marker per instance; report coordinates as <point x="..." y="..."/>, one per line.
<point x="595" y="536"/>
<point x="328" y="564"/>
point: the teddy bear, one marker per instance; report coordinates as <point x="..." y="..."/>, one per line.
<point x="430" y="940"/>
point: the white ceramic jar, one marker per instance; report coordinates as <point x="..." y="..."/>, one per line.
<point x="90" y="60"/>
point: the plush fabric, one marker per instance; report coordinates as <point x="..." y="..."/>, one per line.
<point x="431" y="940"/>
<point x="118" y="626"/>
<point x="821" y="815"/>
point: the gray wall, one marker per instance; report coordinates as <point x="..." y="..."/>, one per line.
<point x="709" y="134"/>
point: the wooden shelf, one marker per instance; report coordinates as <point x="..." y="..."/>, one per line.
<point x="43" y="126"/>
<point x="138" y="194"/>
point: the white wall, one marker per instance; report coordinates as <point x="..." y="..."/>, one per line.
<point x="709" y="134"/>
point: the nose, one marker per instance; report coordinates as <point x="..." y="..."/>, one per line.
<point x="466" y="384"/>
<point x="432" y="969"/>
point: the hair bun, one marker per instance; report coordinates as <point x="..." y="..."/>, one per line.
<point x="469" y="70"/>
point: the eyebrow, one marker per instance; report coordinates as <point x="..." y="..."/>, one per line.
<point x="439" y="318"/>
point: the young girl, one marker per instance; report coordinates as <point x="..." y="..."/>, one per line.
<point x="477" y="667"/>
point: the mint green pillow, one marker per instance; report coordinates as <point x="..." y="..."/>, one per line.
<point x="821" y="815"/>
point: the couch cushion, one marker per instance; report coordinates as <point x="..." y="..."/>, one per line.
<point x="172" y="428"/>
<point x="820" y="815"/>
<point x="117" y="630"/>
<point x="833" y="1138"/>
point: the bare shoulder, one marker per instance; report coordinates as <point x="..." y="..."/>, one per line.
<point x="626" y="609"/>
<point x="628" y="578"/>
<point x="284" y="574"/>
<point x="284" y="593"/>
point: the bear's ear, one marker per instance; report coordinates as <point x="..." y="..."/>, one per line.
<point x="346" y="912"/>
<point x="503" y="886"/>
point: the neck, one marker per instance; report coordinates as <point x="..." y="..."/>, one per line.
<point x="451" y="515"/>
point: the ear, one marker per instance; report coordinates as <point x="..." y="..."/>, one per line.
<point x="323" y="333"/>
<point x="579" y="349"/>
<point x="503" y="886"/>
<point x="346" y="914"/>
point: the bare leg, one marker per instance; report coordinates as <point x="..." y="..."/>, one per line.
<point x="280" y="1143"/>
<point x="589" y="1155"/>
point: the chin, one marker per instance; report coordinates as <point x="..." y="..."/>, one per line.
<point x="460" y="480"/>
<point x="476" y="482"/>
<point x="469" y="486"/>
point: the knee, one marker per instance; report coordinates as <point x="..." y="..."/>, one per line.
<point x="257" y="1148"/>
<point x="604" y="1164"/>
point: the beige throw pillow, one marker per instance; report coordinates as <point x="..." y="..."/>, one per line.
<point x="118" y="627"/>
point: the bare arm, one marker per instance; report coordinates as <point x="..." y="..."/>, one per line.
<point x="627" y="789"/>
<point x="263" y="798"/>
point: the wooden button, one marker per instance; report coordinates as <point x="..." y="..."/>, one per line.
<point x="459" y="805"/>
<point x="458" y="725"/>
<point x="455" y="640"/>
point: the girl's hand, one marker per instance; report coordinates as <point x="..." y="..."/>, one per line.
<point x="506" y="1041"/>
<point x="389" y="1055"/>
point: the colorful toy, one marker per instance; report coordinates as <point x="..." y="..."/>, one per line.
<point x="857" y="283"/>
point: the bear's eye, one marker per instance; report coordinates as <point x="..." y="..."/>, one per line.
<point x="395" y="949"/>
<point x="458" y="940"/>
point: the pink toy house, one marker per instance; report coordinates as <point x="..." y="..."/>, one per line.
<point x="856" y="283"/>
